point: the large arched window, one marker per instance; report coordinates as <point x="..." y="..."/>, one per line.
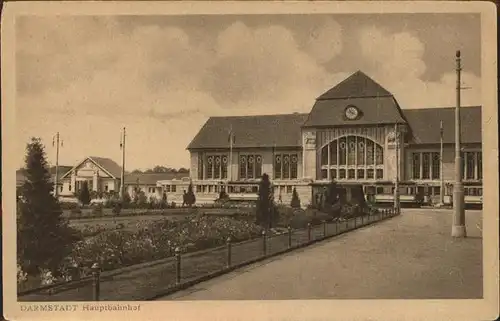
<point x="352" y="158"/>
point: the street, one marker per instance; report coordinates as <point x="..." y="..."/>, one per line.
<point x="412" y="256"/>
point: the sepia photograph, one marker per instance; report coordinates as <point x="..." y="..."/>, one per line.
<point x="287" y="153"/>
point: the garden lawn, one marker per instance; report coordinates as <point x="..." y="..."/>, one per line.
<point x="145" y="281"/>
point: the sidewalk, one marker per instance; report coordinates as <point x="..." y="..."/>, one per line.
<point x="411" y="256"/>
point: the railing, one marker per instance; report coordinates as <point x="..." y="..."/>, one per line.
<point x="184" y="270"/>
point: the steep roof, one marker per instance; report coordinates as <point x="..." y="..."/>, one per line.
<point x="251" y="131"/>
<point x="356" y="86"/>
<point x="373" y="111"/>
<point x="151" y="178"/>
<point x="108" y="164"/>
<point x="375" y="103"/>
<point x="425" y="123"/>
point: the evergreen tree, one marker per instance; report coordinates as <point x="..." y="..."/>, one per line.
<point x="190" y="197"/>
<point x="295" y="203"/>
<point x="44" y="237"/>
<point x="265" y="202"/>
<point x="84" y="195"/>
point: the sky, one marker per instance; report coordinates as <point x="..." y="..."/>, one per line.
<point x="162" y="77"/>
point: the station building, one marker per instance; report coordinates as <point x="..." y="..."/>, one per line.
<point x="356" y="133"/>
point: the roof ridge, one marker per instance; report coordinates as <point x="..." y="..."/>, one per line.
<point x="452" y="107"/>
<point x="261" y="115"/>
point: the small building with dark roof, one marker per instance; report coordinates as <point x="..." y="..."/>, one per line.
<point x="356" y="132"/>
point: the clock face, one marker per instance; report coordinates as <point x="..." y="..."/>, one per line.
<point x="351" y="112"/>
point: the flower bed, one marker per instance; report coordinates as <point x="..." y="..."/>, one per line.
<point x="149" y="241"/>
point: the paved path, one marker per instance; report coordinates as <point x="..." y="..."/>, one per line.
<point x="408" y="257"/>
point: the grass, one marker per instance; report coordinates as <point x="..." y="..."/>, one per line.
<point x="148" y="281"/>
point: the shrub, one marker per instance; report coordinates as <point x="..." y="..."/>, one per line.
<point x="117" y="208"/>
<point x="295" y="203"/>
<point x="84" y="194"/>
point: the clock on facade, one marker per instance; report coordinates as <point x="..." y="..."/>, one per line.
<point x="351" y="112"/>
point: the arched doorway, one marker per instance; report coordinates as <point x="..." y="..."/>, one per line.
<point x="352" y="158"/>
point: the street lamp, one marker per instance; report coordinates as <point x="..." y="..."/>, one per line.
<point x="397" y="203"/>
<point x="458" y="228"/>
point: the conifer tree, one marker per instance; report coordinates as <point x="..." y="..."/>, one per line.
<point x="190" y="197"/>
<point x="44" y="238"/>
<point x="265" y="202"/>
<point x="84" y="195"/>
<point x="295" y="203"/>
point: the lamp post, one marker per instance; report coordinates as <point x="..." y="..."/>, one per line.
<point x="458" y="228"/>
<point x="57" y="143"/>
<point x="396" y="181"/>
<point x="441" y="189"/>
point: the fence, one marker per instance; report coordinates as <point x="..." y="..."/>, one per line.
<point x="181" y="271"/>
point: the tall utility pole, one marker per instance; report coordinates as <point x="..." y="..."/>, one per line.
<point x="441" y="189"/>
<point x="396" y="182"/>
<point x="57" y="143"/>
<point x="458" y="228"/>
<point x="122" y="181"/>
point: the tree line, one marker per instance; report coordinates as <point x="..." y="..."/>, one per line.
<point x="162" y="169"/>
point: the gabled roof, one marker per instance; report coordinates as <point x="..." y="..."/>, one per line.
<point x="373" y="111"/>
<point x="152" y="178"/>
<point x="357" y="85"/>
<point x="375" y="103"/>
<point x="106" y="164"/>
<point x="425" y="124"/>
<point x="282" y="130"/>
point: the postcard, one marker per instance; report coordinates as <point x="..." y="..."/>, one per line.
<point x="250" y="160"/>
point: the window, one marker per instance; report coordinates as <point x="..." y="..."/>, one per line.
<point x="416" y="165"/>
<point x="167" y="188"/>
<point x="342" y="150"/>
<point x="436" y="166"/>
<point x="479" y="166"/>
<point x="324" y="174"/>
<point x="151" y="189"/>
<point x="351" y="151"/>
<point x="380" y="173"/>
<point x="351" y="157"/>
<point x="380" y="155"/>
<point x="470" y="165"/>
<point x="426" y="165"/>
<point x="250" y="166"/>
<point x="361" y="151"/>
<point x="200" y="166"/>
<point x="426" y="161"/>
<point x="289" y="189"/>
<point x="286" y="166"/>
<point x="369" y="152"/>
<point x="60" y="188"/>
<point x="437" y="191"/>
<point x="174" y="188"/>
<point x="216" y="167"/>
<point x="69" y="187"/>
